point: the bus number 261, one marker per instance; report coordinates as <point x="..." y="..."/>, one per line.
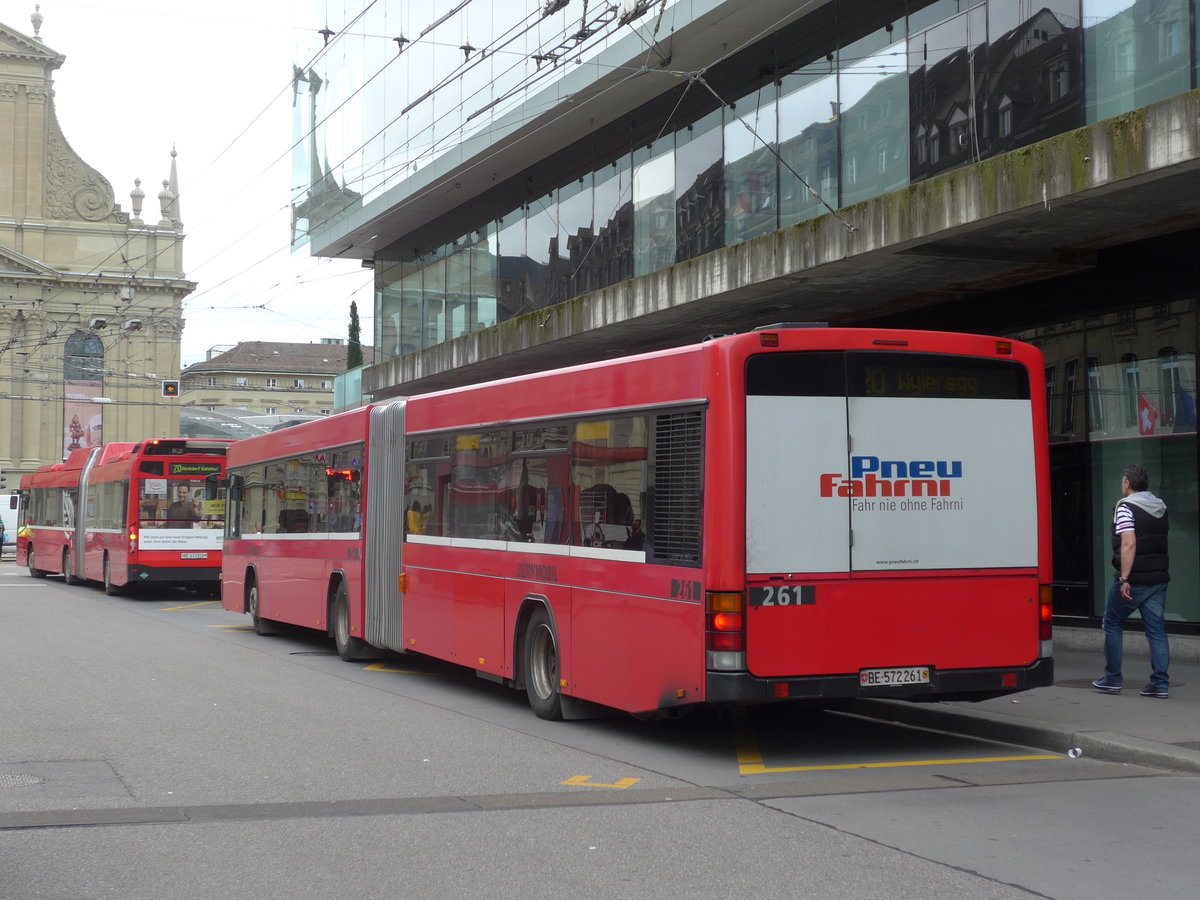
<point x="783" y="595"/>
<point x="685" y="590"/>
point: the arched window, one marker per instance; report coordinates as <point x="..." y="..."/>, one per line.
<point x="83" y="357"/>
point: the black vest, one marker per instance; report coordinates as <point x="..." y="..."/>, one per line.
<point x="1150" y="561"/>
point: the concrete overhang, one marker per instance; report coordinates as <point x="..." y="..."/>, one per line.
<point x="596" y="97"/>
<point x="1034" y="214"/>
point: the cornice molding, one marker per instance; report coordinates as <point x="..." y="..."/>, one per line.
<point x="17" y="46"/>
<point x="15" y="264"/>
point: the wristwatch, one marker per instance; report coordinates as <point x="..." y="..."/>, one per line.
<point x="1123" y="579"/>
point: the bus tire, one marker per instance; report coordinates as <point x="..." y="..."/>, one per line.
<point x="261" y="626"/>
<point x="539" y="665"/>
<point x="109" y="588"/>
<point x="349" y="648"/>
<point x="34" y="571"/>
<point x="68" y="574"/>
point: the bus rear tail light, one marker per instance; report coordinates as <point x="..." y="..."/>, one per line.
<point x="1045" y="617"/>
<point x="132" y="540"/>
<point x="1004" y="348"/>
<point x="725" y="630"/>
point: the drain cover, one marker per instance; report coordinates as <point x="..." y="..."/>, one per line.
<point x="8" y="779"/>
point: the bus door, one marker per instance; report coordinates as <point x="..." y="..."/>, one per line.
<point x="85" y="510"/>
<point x="878" y="486"/>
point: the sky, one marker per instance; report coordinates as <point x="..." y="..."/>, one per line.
<point x="212" y="80"/>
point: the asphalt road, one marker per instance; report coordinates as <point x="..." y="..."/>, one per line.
<point x="155" y="747"/>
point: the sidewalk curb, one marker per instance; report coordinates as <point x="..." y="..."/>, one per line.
<point x="1107" y="745"/>
<point x="1185" y="648"/>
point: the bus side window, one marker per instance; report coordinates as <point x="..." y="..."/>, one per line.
<point x="233" y="514"/>
<point x="293" y="521"/>
<point x="344" y="490"/>
<point x="478" y="500"/>
<point x="607" y="500"/>
<point x="273" y="488"/>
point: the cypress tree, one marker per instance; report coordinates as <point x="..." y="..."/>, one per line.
<point x="354" y="357"/>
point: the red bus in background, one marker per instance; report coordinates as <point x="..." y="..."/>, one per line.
<point x="128" y="513"/>
<point x="797" y="513"/>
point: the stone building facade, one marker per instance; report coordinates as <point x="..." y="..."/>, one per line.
<point x="270" y="378"/>
<point x="90" y="295"/>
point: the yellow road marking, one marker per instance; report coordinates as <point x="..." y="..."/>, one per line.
<point x="384" y="667"/>
<point x="188" y="605"/>
<point x="586" y="781"/>
<point x="750" y="761"/>
<point x="752" y="769"/>
<point x="229" y="628"/>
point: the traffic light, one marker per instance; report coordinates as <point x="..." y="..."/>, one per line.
<point x="170" y="388"/>
<point x="3" y="480"/>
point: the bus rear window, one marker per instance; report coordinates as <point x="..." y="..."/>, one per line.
<point x="885" y="374"/>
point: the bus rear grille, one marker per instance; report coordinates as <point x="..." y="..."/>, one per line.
<point x="678" y="486"/>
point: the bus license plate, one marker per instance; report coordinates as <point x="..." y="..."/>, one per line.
<point x="888" y="677"/>
<point x="193" y="556"/>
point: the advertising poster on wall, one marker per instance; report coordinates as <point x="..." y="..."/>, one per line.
<point x="83" y="419"/>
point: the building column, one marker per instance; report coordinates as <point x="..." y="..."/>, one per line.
<point x="10" y="383"/>
<point x="39" y="414"/>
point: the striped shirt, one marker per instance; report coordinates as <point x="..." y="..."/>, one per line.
<point x="1123" y="518"/>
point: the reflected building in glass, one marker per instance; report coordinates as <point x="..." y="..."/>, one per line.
<point x="541" y="183"/>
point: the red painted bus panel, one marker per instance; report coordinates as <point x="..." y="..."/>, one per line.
<point x="975" y="621"/>
<point x="635" y="651"/>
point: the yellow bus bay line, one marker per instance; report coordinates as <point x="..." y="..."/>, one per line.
<point x="750" y="761"/>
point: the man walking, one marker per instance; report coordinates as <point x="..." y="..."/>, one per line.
<point x="1140" y="558"/>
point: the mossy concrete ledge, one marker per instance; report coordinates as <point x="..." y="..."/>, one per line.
<point x="766" y="273"/>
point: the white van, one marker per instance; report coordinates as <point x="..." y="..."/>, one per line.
<point x="8" y="515"/>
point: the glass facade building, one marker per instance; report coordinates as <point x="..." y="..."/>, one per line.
<point x="1121" y="388"/>
<point x="859" y="101"/>
<point x="943" y="85"/>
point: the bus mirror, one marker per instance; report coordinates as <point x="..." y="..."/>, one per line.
<point x="235" y="488"/>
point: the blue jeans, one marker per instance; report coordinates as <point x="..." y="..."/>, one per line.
<point x="1151" y="599"/>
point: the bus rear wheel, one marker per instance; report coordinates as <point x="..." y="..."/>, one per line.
<point x="68" y="573"/>
<point x="349" y="647"/>
<point x="539" y="665"/>
<point x="34" y="571"/>
<point x="261" y="626"/>
<point x="109" y="588"/>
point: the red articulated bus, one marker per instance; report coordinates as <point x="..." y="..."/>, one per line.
<point x="796" y="513"/>
<point x="128" y="514"/>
